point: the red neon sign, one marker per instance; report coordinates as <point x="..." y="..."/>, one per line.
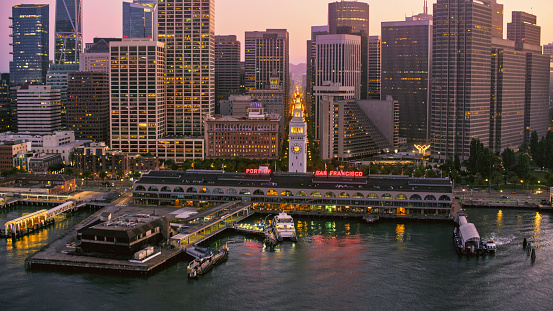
<point x="258" y="171"/>
<point x="339" y="174"/>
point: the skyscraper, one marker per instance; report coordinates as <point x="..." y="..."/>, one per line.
<point x="374" y="68"/>
<point x="352" y="17"/>
<point x="88" y="106"/>
<point x="227" y="68"/>
<point x="338" y="73"/>
<point x="30" y="24"/>
<point x="461" y="76"/>
<point x="69" y="31"/>
<point x="57" y="78"/>
<point x="140" y="19"/>
<point x="406" y="61"/>
<point x="187" y="28"/>
<point x="96" y="56"/>
<point x="523" y="29"/>
<point x="311" y="70"/>
<point x="267" y="58"/>
<point x="137" y="95"/>
<point x="38" y="109"/>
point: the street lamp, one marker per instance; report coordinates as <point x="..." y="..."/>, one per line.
<point x="522" y="184"/>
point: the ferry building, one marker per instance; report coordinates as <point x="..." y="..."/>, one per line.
<point x="319" y="192"/>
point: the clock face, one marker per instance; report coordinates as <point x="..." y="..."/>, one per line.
<point x="296" y="149"/>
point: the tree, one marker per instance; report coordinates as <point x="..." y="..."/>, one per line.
<point x="103" y="175"/>
<point x="509" y="159"/>
<point x="534" y="141"/>
<point x="523" y="166"/>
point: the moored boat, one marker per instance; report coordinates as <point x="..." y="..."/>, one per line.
<point x="284" y="228"/>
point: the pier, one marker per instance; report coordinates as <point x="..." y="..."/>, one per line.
<point x="28" y="223"/>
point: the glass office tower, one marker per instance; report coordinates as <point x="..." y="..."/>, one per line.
<point x="30" y="43"/>
<point x="69" y="31"/>
<point x="140" y="19"/>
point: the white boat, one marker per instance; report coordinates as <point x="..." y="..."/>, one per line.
<point x="283" y="224"/>
<point x="490" y="246"/>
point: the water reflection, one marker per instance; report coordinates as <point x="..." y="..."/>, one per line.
<point x="400" y="233"/>
<point x="537" y="230"/>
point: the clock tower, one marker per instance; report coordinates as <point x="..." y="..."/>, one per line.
<point x="297" y="150"/>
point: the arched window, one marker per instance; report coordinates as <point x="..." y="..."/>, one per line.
<point x="316" y="194"/>
<point x="140" y="188"/>
<point x="372" y="196"/>
<point x="152" y="188"/>
<point x="272" y="192"/>
<point x="415" y="197"/>
<point x="218" y="191"/>
<point x="245" y="191"/>
<point x="231" y="191"/>
<point x="178" y="189"/>
<point x="445" y="198"/>
<point x="330" y="195"/>
<point x="286" y="193"/>
<point x="430" y="198"/>
<point x="165" y="189"/>
<point x="258" y="192"/>
<point x="204" y="190"/>
<point x="387" y="196"/>
<point x="401" y="196"/>
<point x="191" y="190"/>
<point x="301" y="194"/>
<point x="344" y="195"/>
<point x="358" y="196"/>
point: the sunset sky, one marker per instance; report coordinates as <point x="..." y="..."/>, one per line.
<point x="102" y="18"/>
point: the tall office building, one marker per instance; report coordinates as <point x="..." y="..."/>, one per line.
<point x="187" y="28"/>
<point x="140" y="19"/>
<point x="57" y="78"/>
<point x="338" y="72"/>
<point x="69" y="31"/>
<point x="461" y="76"/>
<point x="548" y="50"/>
<point x="227" y="68"/>
<point x="406" y="65"/>
<point x="523" y="29"/>
<point x="5" y="103"/>
<point x="374" y="68"/>
<point x="38" y="109"/>
<point x="88" y="106"/>
<point x="96" y="55"/>
<point x="267" y="59"/>
<point x="30" y="41"/>
<point x="352" y="17"/>
<point x="497" y="19"/>
<point x="310" y="72"/>
<point x="137" y="95"/>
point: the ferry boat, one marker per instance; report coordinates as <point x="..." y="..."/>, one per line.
<point x="283" y="225"/>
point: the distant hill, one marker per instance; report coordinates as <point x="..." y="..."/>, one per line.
<point x="298" y="69"/>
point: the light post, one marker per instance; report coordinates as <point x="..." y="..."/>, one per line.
<point x="463" y="194"/>
<point x="522" y="184"/>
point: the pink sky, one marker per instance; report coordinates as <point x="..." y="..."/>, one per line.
<point x="102" y="18"/>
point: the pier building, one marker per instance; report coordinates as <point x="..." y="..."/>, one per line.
<point x="321" y="191"/>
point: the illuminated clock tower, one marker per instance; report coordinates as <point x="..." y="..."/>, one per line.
<point x="297" y="151"/>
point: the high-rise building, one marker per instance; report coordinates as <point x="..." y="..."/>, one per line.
<point x="140" y="19"/>
<point x="499" y="97"/>
<point x="96" y="55"/>
<point x="88" y="105"/>
<point x="137" y="95"/>
<point x="187" y="28"/>
<point x="30" y="41"/>
<point x="57" y="78"/>
<point x="267" y="59"/>
<point x="461" y="76"/>
<point x="338" y="72"/>
<point x="548" y="50"/>
<point x="374" y="67"/>
<point x="523" y="29"/>
<point x="297" y="140"/>
<point x="69" y="31"/>
<point x="406" y="62"/>
<point x="497" y="19"/>
<point x="352" y="17"/>
<point x="5" y="103"/>
<point x="38" y="109"/>
<point x="227" y="68"/>
<point x="310" y="72"/>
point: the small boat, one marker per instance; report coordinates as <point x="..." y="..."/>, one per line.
<point x="283" y="224"/>
<point x="490" y="246"/>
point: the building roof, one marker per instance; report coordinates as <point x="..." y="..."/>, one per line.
<point x="469" y="233"/>
<point x="127" y="226"/>
<point x="296" y="180"/>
